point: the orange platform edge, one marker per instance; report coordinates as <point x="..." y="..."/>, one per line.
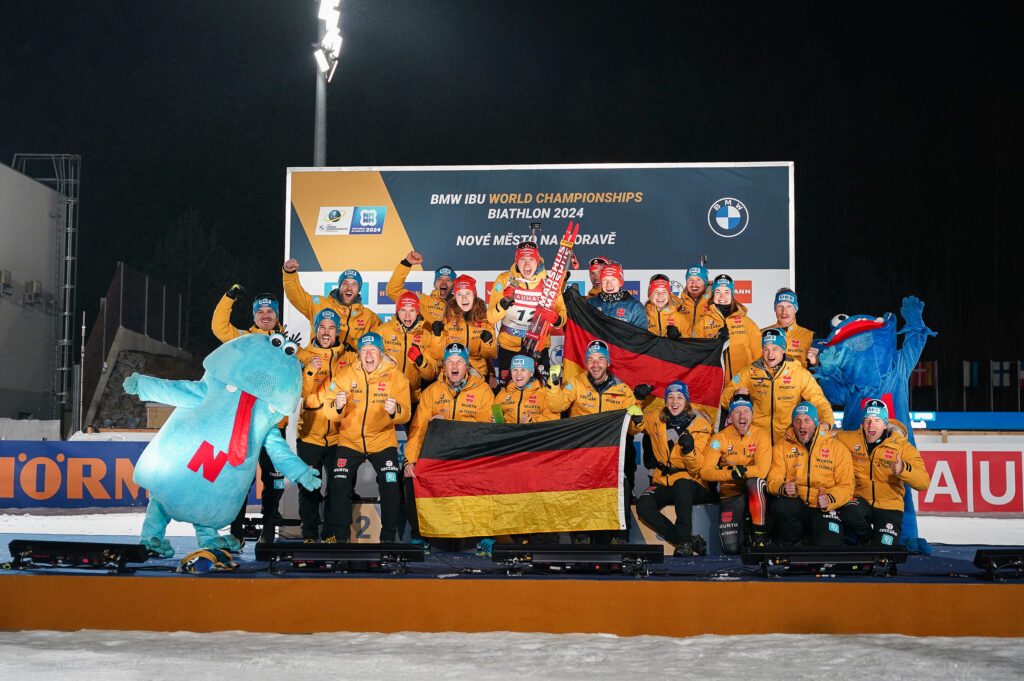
<point x="626" y="608"/>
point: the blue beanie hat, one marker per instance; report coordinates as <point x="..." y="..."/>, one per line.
<point x="265" y="300"/>
<point x="876" y="409"/>
<point x="351" y="274"/>
<point x="373" y="339"/>
<point x="740" y="401"/>
<point x="678" y="387"/>
<point x="523" y="362"/>
<point x="786" y="297"/>
<point x="723" y="280"/>
<point x="807" y="409"/>
<point x="326" y="313"/>
<point x="601" y="348"/>
<point x="456" y="350"/>
<point x="698" y="271"/>
<point x="774" y="336"/>
<point x="444" y="271"/>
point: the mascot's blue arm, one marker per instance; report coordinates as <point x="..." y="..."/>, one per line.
<point x="915" y="335"/>
<point x="174" y="393"/>
<point x="284" y="460"/>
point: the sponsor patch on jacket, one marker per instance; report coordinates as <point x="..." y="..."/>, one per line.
<point x="532" y="399"/>
<point x="787" y="379"/>
<point x="316" y="300"/>
<point x="795" y="343"/>
<point x="751" y="447"/>
<point x="342" y="463"/>
<point x="620" y="312"/>
<point x="736" y="378"/>
<point x="825" y="453"/>
<point x="726" y="517"/>
<point x="737" y="320"/>
<point x="715" y="444"/>
<point x="354" y="385"/>
<point x="382" y="387"/>
<point x="470" y="398"/>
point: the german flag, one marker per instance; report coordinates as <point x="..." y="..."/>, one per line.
<point x="486" y="479"/>
<point x="639" y="356"/>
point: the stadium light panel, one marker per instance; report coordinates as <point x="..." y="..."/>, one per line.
<point x="326" y="7"/>
<point x="332" y="19"/>
<point x="332" y="43"/>
<point x="321" y="60"/>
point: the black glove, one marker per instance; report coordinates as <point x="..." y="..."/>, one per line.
<point x="507" y="297"/>
<point x="739" y="472"/>
<point x="437" y="328"/>
<point x="235" y="292"/>
<point x="415" y="355"/>
<point x="685" y="443"/>
<point x="486" y="336"/>
<point x="673" y="333"/>
<point x="643" y="390"/>
<point x="723" y="332"/>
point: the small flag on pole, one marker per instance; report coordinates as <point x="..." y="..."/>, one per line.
<point x="923" y="375"/>
<point x="1000" y="374"/>
<point x="970" y="374"/>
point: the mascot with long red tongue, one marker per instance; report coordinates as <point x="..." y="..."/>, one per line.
<point x="199" y="467"/>
<point x="860" y="361"/>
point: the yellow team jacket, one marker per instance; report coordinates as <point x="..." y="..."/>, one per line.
<point x="744" y="336"/>
<point x="481" y="354"/>
<point x="472" y="402"/>
<point x="659" y="321"/>
<point x="774" y="394"/>
<point x="398" y="339"/>
<point x="727" y="449"/>
<point x="314" y="425"/>
<point x="690" y="309"/>
<point x="515" y="321"/>
<point x="363" y="424"/>
<point x="826" y="464"/>
<point x="526" y="405"/>
<point x="873" y="477"/>
<point x="355" y="321"/>
<point x="798" y="341"/>
<point x="682" y="466"/>
<point x="580" y="397"/>
<point x="431" y="305"/>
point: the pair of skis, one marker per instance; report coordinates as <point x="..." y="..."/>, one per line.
<point x="545" y="314"/>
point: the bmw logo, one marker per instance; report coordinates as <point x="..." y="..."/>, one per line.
<point x="728" y="217"/>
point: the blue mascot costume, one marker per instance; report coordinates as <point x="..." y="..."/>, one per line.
<point x="200" y="465"/>
<point x="859" y="361"/>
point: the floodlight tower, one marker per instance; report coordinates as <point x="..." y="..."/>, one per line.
<point x="326" y="53"/>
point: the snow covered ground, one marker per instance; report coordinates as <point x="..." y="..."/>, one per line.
<point x="114" y="656"/>
<point x="936" y="529"/>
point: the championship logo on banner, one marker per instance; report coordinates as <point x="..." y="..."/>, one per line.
<point x="485" y="479"/>
<point x="638" y="356"/>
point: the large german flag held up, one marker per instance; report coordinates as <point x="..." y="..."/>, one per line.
<point x="639" y="356"/>
<point x="486" y="479"/>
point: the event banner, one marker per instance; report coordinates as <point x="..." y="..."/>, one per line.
<point x="651" y="218"/>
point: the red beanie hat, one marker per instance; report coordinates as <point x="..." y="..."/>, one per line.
<point x="408" y="299"/>
<point x="613" y="270"/>
<point x="464" y="281"/>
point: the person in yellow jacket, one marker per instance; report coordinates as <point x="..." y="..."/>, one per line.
<point x="264" y="315"/>
<point x="524" y="399"/>
<point x="594" y="271"/>
<point x="513" y="302"/>
<point x="264" y="320"/>
<point x="317" y="435"/>
<point x="594" y="392"/>
<point x="432" y="304"/>
<point x="776" y="384"/>
<point x="722" y="311"/>
<point x="354" y="319"/>
<point x="371" y="398"/>
<point x="410" y="343"/>
<point x="798" y="339"/>
<point x="883" y="460"/>
<point x="465" y="321"/>
<point x="695" y="294"/>
<point x="664" y="318"/>
<point x="811" y="477"/>
<point x="738" y="458"/>
<point x="461" y="394"/>
<point x="674" y="436"/>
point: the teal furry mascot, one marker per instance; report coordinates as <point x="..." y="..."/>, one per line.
<point x="199" y="467"/>
<point x="859" y="361"/>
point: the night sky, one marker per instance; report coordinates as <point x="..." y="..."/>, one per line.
<point x="903" y="123"/>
